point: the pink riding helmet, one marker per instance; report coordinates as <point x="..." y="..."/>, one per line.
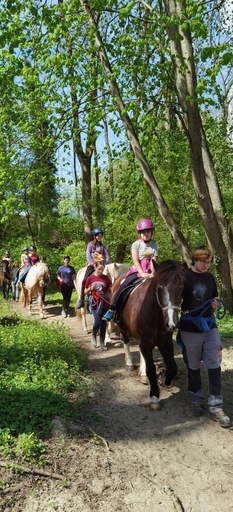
<point x="144" y="224"/>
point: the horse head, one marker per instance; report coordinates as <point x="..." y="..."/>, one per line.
<point x="5" y="266"/>
<point x="169" y="286"/>
<point x="41" y="281"/>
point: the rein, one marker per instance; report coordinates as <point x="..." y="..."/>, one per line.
<point x="164" y="308"/>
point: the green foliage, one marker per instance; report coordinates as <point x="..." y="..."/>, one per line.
<point x="37" y="371"/>
<point x="27" y="446"/>
<point x="225" y="327"/>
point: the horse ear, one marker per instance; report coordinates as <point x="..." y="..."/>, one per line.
<point x="116" y="266"/>
<point x="155" y="265"/>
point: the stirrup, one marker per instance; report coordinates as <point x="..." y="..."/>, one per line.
<point x="80" y="304"/>
<point x="109" y="315"/>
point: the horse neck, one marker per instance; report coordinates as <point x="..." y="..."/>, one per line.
<point x="151" y="288"/>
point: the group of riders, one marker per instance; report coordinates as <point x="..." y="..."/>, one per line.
<point x="198" y="333"/>
<point x="18" y="274"/>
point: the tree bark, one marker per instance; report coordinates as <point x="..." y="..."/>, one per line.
<point x="205" y="183"/>
<point x="135" y="144"/>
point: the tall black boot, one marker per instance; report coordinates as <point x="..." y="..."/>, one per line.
<point x="93" y="337"/>
<point x="102" y="337"/>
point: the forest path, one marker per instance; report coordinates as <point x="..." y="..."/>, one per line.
<point x="158" y="461"/>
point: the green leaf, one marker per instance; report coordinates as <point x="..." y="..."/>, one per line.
<point x="207" y="53"/>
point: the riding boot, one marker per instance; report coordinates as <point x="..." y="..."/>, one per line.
<point x="67" y="307"/>
<point x="93" y="337"/>
<point x="102" y="337"/>
<point x="17" y="294"/>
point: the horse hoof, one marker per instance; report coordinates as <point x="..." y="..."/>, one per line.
<point x="42" y="316"/>
<point x="144" y="380"/>
<point x="155" y="407"/>
<point x="129" y="369"/>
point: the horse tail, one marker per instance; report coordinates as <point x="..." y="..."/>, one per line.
<point x="78" y="314"/>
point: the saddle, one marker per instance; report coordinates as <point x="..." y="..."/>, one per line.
<point x="123" y="298"/>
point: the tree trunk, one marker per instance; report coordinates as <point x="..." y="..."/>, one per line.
<point x="136" y="147"/>
<point x="120" y="252"/>
<point x="84" y="157"/>
<point x="185" y="77"/>
<point x="97" y="182"/>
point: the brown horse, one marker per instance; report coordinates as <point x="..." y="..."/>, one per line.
<point x="34" y="284"/>
<point x="151" y="316"/>
<point x="5" y="278"/>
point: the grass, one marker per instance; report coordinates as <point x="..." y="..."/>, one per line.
<point x="38" y="365"/>
<point x="225" y="326"/>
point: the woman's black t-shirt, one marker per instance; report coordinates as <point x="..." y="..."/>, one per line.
<point x="198" y="289"/>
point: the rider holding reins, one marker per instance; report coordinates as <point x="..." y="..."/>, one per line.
<point x="94" y="249"/>
<point x="144" y="251"/>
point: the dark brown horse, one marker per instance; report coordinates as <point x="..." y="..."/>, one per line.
<point x="5" y="278"/>
<point x="151" y="316"/>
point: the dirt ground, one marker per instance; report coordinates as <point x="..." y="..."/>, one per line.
<point x="157" y="461"/>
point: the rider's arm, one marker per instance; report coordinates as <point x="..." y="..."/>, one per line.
<point x="88" y="254"/>
<point x="137" y="264"/>
<point x="106" y="255"/>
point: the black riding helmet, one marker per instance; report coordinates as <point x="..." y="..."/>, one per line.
<point x="25" y="248"/>
<point x="32" y="248"/>
<point x="6" y="252"/>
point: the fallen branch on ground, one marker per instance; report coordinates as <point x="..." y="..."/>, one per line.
<point x="100" y="437"/>
<point x="82" y="376"/>
<point x="30" y="471"/>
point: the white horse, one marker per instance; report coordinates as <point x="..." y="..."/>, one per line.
<point x="112" y="270"/>
<point x="34" y="284"/>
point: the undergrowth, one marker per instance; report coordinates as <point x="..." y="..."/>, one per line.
<point x="225" y="326"/>
<point x="38" y="369"/>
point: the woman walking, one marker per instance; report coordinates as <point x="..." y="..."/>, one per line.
<point x="66" y="276"/>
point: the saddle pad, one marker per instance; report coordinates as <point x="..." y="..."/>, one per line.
<point x="124" y="295"/>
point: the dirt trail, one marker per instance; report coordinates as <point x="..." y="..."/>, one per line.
<point x="158" y="461"/>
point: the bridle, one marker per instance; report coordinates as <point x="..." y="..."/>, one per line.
<point x="165" y="308"/>
<point x="40" y="279"/>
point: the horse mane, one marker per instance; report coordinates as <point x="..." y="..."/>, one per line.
<point x="38" y="270"/>
<point x="4" y="263"/>
<point x="170" y="273"/>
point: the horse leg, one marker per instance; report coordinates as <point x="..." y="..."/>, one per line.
<point x="128" y="356"/>
<point x="142" y="370"/>
<point x="167" y="352"/>
<point x="147" y="353"/>
<point x="84" y="320"/>
<point x="40" y="293"/>
<point x="30" y="301"/>
<point x="108" y="332"/>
